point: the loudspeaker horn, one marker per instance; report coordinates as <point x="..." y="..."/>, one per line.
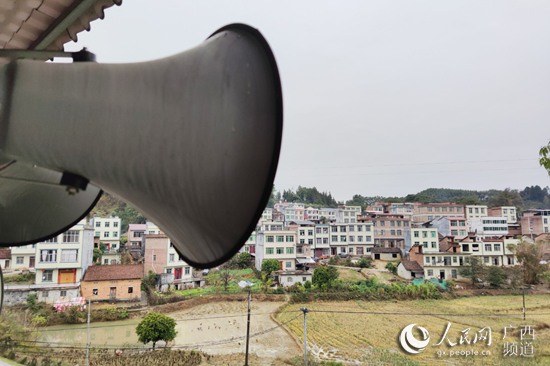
<point x="192" y="141"/>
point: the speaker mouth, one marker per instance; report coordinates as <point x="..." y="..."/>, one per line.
<point x="255" y="33"/>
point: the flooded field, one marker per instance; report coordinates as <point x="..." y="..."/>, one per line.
<point x="215" y="328"/>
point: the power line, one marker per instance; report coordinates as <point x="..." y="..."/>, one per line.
<point x="415" y="164"/>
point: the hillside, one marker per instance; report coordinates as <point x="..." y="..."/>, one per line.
<point x="109" y="205"/>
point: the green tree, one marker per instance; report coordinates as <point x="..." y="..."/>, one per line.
<point x="244" y="259"/>
<point x="495" y="276"/>
<point x="544" y="157"/>
<point x="508" y="197"/>
<point x="225" y="277"/>
<point x="97" y="254"/>
<point x="325" y="276"/>
<point x="149" y="280"/>
<point x="473" y="271"/>
<point x="270" y="265"/>
<point x="468" y="201"/>
<point x="156" y="327"/>
<point x="529" y="255"/>
<point x="392" y="268"/>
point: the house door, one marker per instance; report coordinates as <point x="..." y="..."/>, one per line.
<point x="333" y="250"/>
<point x="66" y="276"/>
<point x="112" y="293"/>
<point x="177" y="273"/>
<point x="7" y="265"/>
<point x="377" y="256"/>
<point x="31" y="262"/>
<point x="281" y="265"/>
<point x="442" y="274"/>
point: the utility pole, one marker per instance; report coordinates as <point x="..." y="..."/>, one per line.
<point x="305" y="335"/>
<point x="523" y="303"/>
<point x="88" y="337"/>
<point x="247" y="328"/>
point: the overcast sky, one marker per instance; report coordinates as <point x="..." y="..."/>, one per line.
<point x="380" y="97"/>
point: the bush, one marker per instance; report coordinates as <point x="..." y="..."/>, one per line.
<point x="244" y="259"/>
<point x="365" y="262"/>
<point x="307" y="285"/>
<point x="392" y="268"/>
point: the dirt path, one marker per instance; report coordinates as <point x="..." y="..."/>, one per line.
<point x="210" y="325"/>
<point x="369" y="272"/>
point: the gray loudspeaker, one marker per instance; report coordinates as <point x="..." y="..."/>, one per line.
<point x="192" y="141"/>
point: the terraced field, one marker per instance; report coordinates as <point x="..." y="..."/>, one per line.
<point x="344" y="334"/>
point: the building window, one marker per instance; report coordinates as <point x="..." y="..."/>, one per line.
<point x="368" y="238"/>
<point x="268" y="250"/>
<point x="69" y="255"/>
<point x="71" y="236"/>
<point x="138" y="234"/>
<point x="154" y="257"/>
<point x="106" y="234"/>
<point x="45" y="293"/>
<point x="48" y="255"/>
<point x="63" y="293"/>
<point x="130" y="290"/>
<point x="392" y="232"/>
<point x="47" y="276"/>
<point x="343" y="238"/>
<point x="289" y="250"/>
<point x="427" y="259"/>
<point x="454" y="232"/>
<point x="425" y="244"/>
<point x="382" y="232"/>
<point x="335" y="238"/>
<point x="360" y="239"/>
<point x="290" y="238"/>
<point x="168" y="270"/>
<point x="97" y="233"/>
<point x="416" y="234"/>
<point x="485" y="259"/>
<point x="269" y="239"/>
<point x="453" y="273"/>
<point x="497" y="247"/>
<point x="280" y="239"/>
<point x="352" y="238"/>
<point x="280" y="250"/>
<point x="288" y="264"/>
<point x="430" y="272"/>
<point x="98" y="224"/>
<point x="115" y="234"/>
<point x="19" y="260"/>
<point x="115" y="224"/>
<point x="105" y="261"/>
<point x="434" y="244"/>
<point x="488" y="248"/>
<point x="95" y="291"/>
<point x="454" y="259"/>
<point x="342" y="249"/>
<point x="172" y="257"/>
<point x="289" y="279"/>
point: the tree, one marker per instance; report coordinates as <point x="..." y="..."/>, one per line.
<point x="325" y="276"/>
<point x="468" y="201"/>
<point x="529" y="255"/>
<point x="392" y="268"/>
<point x="244" y="259"/>
<point x="270" y="265"/>
<point x="97" y="254"/>
<point x="150" y="279"/>
<point x="225" y="278"/>
<point x="474" y="271"/>
<point x="495" y="276"/>
<point x="126" y="259"/>
<point x="508" y="197"/>
<point x="266" y="282"/>
<point x="544" y="155"/>
<point x="156" y="327"/>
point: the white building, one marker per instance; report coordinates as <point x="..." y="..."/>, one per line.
<point x="108" y="230"/>
<point x="490" y="227"/>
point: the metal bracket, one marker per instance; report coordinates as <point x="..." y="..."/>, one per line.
<point x="80" y="56"/>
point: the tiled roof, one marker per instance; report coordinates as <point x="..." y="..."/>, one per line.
<point x="5" y="253"/>
<point x="412" y="266"/>
<point x="385" y="250"/>
<point x="114" y="272"/>
<point x="25" y="23"/>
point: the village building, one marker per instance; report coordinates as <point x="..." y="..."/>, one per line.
<point x="117" y="283"/>
<point x="410" y="270"/>
<point x="386" y="254"/>
<point x="289" y="278"/>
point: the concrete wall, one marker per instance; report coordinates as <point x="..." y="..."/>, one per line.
<point x="50" y="296"/>
<point x="103" y="289"/>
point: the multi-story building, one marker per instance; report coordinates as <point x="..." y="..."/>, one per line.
<point x="64" y="259"/>
<point x="353" y="239"/>
<point x="311" y="214"/>
<point x="24" y="257"/>
<point x="181" y="271"/>
<point x="428" y="238"/>
<point x="279" y="245"/>
<point x="108" y="230"/>
<point x="135" y="234"/>
<point x="450" y="226"/>
<point x="535" y="222"/>
<point x="423" y="212"/>
<point x="267" y="214"/>
<point x="401" y="208"/>
<point x="322" y="240"/>
<point x="489" y="226"/>
<point x="152" y="228"/>
<point x="476" y="211"/>
<point x="510" y="212"/>
<point x="389" y="229"/>
<point x="328" y="213"/>
<point x="493" y="252"/>
<point x="347" y="214"/>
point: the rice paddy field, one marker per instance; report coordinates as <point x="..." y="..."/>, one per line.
<point x="345" y="332"/>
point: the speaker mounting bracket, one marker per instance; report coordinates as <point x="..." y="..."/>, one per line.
<point x="80" y="56"/>
<point x="74" y="183"/>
